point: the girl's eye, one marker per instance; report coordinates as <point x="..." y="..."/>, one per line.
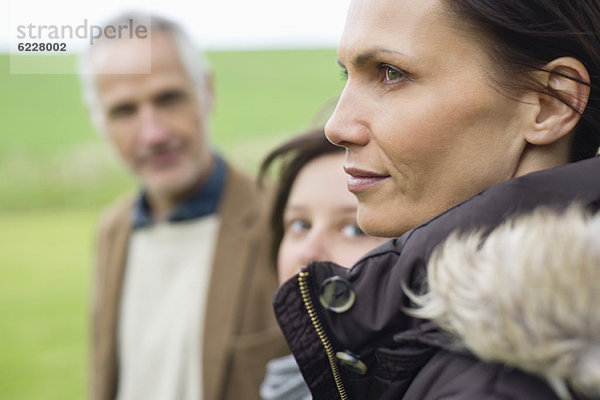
<point x="391" y="74"/>
<point x="298" y="225"/>
<point x="352" y="230"/>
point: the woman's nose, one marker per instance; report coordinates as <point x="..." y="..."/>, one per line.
<point x="347" y="125"/>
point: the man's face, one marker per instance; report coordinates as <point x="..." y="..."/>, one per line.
<point x="154" y="120"/>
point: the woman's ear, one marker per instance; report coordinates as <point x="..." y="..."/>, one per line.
<point x="568" y="78"/>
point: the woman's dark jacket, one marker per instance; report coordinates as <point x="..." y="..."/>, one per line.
<point x="373" y="350"/>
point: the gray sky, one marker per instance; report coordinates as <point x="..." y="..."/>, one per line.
<point x="216" y="24"/>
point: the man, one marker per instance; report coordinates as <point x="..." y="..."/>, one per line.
<point x="183" y="287"/>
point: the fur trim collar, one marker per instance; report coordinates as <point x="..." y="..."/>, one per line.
<point x="525" y="295"/>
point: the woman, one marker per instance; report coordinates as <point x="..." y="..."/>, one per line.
<point x="456" y="114"/>
<point x="314" y="218"/>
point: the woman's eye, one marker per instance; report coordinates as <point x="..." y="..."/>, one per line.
<point x="391" y="74"/>
<point x="352" y="230"/>
<point x="298" y="225"/>
<point x="344" y="74"/>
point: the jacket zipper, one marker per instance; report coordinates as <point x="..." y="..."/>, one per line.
<point x="337" y="377"/>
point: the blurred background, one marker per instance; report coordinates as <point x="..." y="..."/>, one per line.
<point x="275" y="74"/>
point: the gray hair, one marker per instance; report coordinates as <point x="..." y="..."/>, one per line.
<point x="193" y="60"/>
<point x="526" y="295"/>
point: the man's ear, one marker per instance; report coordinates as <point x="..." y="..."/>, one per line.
<point x="568" y="78"/>
<point x="208" y="98"/>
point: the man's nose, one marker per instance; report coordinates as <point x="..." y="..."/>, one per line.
<point x="152" y="128"/>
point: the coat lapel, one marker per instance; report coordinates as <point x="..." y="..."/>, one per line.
<point x="112" y="253"/>
<point x="233" y="256"/>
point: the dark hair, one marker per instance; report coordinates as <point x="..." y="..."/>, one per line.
<point x="522" y="36"/>
<point x="293" y="155"/>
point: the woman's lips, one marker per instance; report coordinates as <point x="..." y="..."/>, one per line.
<point x="360" y="180"/>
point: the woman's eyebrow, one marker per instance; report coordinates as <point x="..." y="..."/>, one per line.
<point x="366" y="56"/>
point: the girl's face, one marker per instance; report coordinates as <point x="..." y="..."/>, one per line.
<point x="320" y="219"/>
<point x="422" y="125"/>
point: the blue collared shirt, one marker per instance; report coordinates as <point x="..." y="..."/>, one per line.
<point x="204" y="201"/>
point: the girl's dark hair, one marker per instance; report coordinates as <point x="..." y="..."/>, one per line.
<point x="293" y="156"/>
<point x="522" y="36"/>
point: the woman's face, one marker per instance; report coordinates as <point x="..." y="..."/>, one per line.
<point x="320" y="219"/>
<point x="422" y="125"/>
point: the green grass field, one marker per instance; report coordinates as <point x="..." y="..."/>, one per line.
<point x="56" y="174"/>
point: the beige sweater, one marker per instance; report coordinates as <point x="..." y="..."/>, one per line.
<point x="163" y="309"/>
